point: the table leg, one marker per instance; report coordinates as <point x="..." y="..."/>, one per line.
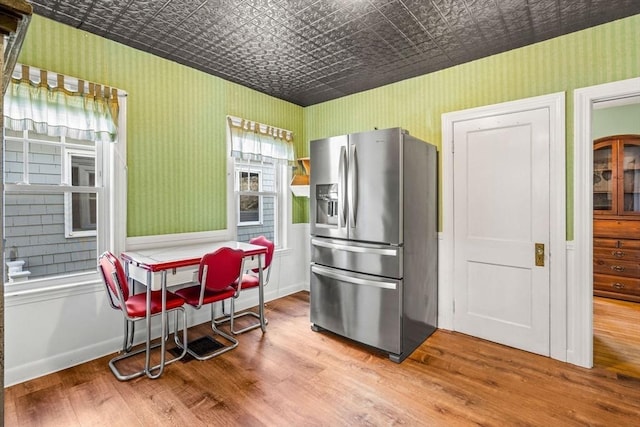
<point x="163" y="327"/>
<point x="263" y="326"/>
<point x="147" y="355"/>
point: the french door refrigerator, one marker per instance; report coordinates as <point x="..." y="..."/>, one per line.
<point x="373" y="221"/>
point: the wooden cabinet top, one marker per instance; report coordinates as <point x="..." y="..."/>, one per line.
<point x="632" y="138"/>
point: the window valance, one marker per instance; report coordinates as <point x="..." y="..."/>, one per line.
<point x="256" y="141"/>
<point x="59" y="106"/>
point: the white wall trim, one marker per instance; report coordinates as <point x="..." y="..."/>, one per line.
<point x="119" y="179"/>
<point x="24" y="372"/>
<point x="557" y="251"/>
<point x="144" y="242"/>
<point x="19" y="296"/>
<point x="445" y="284"/>
<point x="581" y="291"/>
<point x="572" y="304"/>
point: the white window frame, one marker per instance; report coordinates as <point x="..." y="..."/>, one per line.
<point x="112" y="186"/>
<point x="242" y="167"/>
<point x="68" y="198"/>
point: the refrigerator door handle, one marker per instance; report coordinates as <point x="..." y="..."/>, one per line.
<point x="353" y="185"/>
<point x="358" y="249"/>
<point x="327" y="272"/>
<point x="343" y="185"/>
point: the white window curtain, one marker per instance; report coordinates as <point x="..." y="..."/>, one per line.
<point x="259" y="142"/>
<point x="58" y="111"/>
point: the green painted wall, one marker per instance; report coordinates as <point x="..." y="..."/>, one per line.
<point x="176" y="147"/>
<point x="598" y="55"/>
<point x="624" y="119"/>
<point x="176" y="115"/>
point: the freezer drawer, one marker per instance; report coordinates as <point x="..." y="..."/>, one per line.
<point x="366" y="258"/>
<point x="364" y="308"/>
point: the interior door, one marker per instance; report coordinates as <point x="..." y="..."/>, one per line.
<point x="501" y="229"/>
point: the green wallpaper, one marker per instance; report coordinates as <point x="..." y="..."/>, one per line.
<point x="598" y="55"/>
<point x="176" y="128"/>
<point x="176" y="133"/>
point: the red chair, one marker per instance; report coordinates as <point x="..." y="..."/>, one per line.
<point x="217" y="274"/>
<point x="134" y="308"/>
<point x="251" y="280"/>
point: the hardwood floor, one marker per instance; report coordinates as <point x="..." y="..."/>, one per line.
<point x="616" y="336"/>
<point x="292" y="376"/>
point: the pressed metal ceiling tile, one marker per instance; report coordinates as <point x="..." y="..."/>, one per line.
<point x="311" y="51"/>
<point x="487" y="17"/>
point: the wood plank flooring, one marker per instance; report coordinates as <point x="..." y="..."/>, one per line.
<point x="616" y="336"/>
<point x="292" y="376"/>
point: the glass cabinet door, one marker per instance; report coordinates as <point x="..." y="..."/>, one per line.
<point x="630" y="180"/>
<point x="603" y="188"/>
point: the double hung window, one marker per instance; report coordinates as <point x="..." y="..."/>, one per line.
<point x="51" y="199"/>
<point x="259" y="203"/>
<point x="260" y="158"/>
<point x="58" y="187"/>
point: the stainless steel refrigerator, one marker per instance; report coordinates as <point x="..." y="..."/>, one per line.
<point x="373" y="220"/>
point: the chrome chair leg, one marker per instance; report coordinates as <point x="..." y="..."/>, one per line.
<point x="132" y="332"/>
<point x="232" y="316"/>
<point x="125" y="337"/>
<point x="123" y="377"/>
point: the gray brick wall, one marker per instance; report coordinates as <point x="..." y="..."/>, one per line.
<point x="34" y="223"/>
<point x="36" y="230"/>
<point x="45" y="164"/>
<point x="267" y="228"/>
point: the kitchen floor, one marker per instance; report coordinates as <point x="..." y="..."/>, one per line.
<point x="616" y="336"/>
<point x="291" y="376"/>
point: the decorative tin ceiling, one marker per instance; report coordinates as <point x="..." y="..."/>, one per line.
<point x="310" y="51"/>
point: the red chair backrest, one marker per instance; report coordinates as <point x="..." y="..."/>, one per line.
<point x="109" y="264"/>
<point x="223" y="268"/>
<point x="263" y="241"/>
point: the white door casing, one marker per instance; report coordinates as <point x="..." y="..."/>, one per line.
<point x="580" y="292"/>
<point x="555" y="250"/>
<point x="501" y="199"/>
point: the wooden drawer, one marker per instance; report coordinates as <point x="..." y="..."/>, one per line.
<point x="616" y="243"/>
<point x="616" y="253"/>
<point x="616" y="267"/>
<point x="623" y="285"/>
<point x="616" y="229"/>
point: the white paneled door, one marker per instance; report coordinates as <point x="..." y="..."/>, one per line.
<point x="501" y="228"/>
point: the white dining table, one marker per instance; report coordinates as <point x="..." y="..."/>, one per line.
<point x="144" y="265"/>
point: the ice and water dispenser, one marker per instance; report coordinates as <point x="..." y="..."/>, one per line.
<point x="327" y="204"/>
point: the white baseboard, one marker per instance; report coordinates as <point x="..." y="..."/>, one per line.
<point x="30" y="370"/>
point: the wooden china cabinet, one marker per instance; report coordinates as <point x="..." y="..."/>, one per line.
<point x="616" y="217"/>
